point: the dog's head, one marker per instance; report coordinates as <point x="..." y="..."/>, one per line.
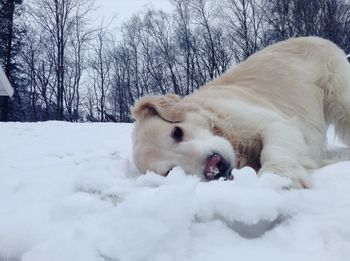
<point x="169" y="133"/>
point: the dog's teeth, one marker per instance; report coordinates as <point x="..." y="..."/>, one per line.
<point x="214" y="171"/>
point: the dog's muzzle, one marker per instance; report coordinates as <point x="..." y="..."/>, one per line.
<point x="217" y="167"/>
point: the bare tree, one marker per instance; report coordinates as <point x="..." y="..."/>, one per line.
<point x="121" y="94"/>
<point x="132" y="51"/>
<point x="159" y="27"/>
<point x="277" y="14"/>
<point x="59" y="20"/>
<point x="244" y="22"/>
<point x="324" y="18"/>
<point x="76" y="48"/>
<point x="335" y="22"/>
<point x="155" y="52"/>
<point x="100" y="76"/>
<point x="185" y="42"/>
<point x="205" y="13"/>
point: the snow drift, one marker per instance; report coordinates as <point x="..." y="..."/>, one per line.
<point x="71" y="192"/>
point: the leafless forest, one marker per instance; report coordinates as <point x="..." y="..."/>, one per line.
<point x="64" y="67"/>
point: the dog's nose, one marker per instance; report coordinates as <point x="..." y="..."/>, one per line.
<point x="217" y="167"/>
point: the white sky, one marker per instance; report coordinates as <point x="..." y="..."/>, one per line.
<point x="122" y="10"/>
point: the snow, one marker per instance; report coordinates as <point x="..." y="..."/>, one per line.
<point x="71" y="192"/>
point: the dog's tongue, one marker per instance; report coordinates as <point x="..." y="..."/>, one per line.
<point x="211" y="168"/>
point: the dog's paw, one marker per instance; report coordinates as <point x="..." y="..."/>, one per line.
<point x="299" y="183"/>
<point x="298" y="176"/>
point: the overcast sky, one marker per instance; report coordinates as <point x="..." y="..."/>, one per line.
<point x="122" y="10"/>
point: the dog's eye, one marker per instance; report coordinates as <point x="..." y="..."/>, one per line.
<point x="177" y="134"/>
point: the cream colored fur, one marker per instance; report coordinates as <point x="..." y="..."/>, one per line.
<point x="270" y="112"/>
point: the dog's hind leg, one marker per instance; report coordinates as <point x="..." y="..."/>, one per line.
<point x="337" y="95"/>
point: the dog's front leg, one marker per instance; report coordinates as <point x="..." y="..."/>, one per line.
<point x="285" y="153"/>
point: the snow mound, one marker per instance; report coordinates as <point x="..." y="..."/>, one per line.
<point x="71" y="192"/>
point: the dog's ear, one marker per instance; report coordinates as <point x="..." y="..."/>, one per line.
<point x="168" y="107"/>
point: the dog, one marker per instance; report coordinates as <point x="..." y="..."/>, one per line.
<point x="270" y="112"/>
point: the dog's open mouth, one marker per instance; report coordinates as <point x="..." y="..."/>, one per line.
<point x="216" y="167"/>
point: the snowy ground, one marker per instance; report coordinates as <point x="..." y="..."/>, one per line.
<point x="71" y="192"/>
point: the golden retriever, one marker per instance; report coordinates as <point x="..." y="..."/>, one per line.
<point x="270" y="112"/>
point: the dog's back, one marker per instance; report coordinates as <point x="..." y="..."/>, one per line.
<point x="307" y="76"/>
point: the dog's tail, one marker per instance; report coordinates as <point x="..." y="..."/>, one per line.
<point x="337" y="100"/>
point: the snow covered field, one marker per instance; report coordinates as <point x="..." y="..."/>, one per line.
<point x="71" y="192"/>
